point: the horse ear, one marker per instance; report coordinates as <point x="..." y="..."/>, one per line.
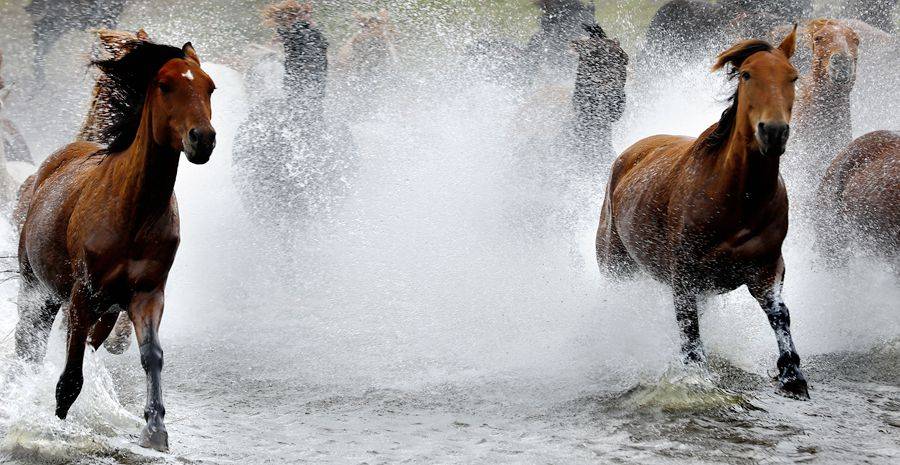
<point x="188" y="50"/>
<point x="789" y="44"/>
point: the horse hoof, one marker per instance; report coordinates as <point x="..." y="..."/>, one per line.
<point x="794" y="387"/>
<point x="158" y="439"/>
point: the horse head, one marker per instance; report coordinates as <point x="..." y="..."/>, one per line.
<point x="763" y="101"/>
<point x="166" y="87"/>
<point x="835" y="50"/>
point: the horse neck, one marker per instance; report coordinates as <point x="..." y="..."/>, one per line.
<point x="826" y="110"/>
<point x="146" y="172"/>
<point x="744" y="174"/>
<point x="592" y="119"/>
<point x="305" y="68"/>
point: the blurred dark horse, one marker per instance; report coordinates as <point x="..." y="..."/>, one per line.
<point x="14" y="148"/>
<point x="292" y="163"/>
<point x="859" y="198"/>
<point x="548" y="50"/>
<point x="878" y="13"/>
<point x="689" y="29"/>
<point x="709" y="214"/>
<point x="53" y="18"/>
<point x="599" y="96"/>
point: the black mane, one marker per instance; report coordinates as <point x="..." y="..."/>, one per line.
<point x="130" y="77"/>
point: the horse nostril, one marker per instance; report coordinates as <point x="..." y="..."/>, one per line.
<point x="193" y="136"/>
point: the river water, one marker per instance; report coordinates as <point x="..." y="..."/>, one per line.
<point x="421" y="324"/>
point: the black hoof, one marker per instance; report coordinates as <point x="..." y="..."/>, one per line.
<point x="157" y="439"/>
<point x="61" y="413"/>
<point x="694" y="356"/>
<point x="792" y="384"/>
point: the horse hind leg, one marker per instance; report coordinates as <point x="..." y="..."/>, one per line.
<point x="36" y="315"/>
<point x="113" y="331"/>
<point x="80" y="323"/>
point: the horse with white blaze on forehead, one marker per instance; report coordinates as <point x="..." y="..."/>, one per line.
<point x="101" y="225"/>
<point x="710" y="214"/>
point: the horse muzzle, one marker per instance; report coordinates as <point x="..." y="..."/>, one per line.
<point x="199" y="145"/>
<point x="841" y="69"/>
<point x="772" y="138"/>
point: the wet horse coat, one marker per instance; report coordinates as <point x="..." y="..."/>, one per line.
<point x="101" y="227"/>
<point x="710" y="214"/>
<point x="860" y="197"/>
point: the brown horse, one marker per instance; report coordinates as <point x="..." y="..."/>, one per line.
<point x="710" y="214"/>
<point x="822" y="117"/>
<point x="100" y="227"/>
<point x="861" y="194"/>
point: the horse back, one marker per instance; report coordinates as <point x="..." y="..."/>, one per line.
<point x="863" y="183"/>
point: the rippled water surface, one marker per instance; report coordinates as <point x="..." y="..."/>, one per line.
<point x="424" y="323"/>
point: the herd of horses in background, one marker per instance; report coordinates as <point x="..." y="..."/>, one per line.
<point x="98" y="220"/>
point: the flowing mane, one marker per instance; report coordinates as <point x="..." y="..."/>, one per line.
<point x="717" y="135"/>
<point x="129" y="77"/>
<point x="112" y="44"/>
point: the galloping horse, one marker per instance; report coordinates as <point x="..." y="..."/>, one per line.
<point x="365" y="63"/>
<point x="860" y="196"/>
<point x="291" y="160"/>
<point x="101" y="225"/>
<point x="822" y="117"/>
<point x="547" y="51"/>
<point x="710" y="214"/>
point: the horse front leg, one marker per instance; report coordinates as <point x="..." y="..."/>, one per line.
<point x="766" y="289"/>
<point x="72" y="377"/>
<point x="689" y="322"/>
<point x="146" y="310"/>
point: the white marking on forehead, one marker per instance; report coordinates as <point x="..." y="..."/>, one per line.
<point x="189" y="75"/>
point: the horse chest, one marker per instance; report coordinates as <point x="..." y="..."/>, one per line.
<point x="116" y="268"/>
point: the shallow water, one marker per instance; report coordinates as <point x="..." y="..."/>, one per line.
<point x="420" y="323"/>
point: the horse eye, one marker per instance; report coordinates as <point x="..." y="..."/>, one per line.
<point x="165" y="88"/>
<point x="745" y="76"/>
